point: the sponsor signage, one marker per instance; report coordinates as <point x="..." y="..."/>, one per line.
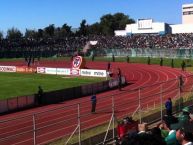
<point x="7" y="69"/>
<point x="25" y="69"/>
<point x="78" y="62"/>
<point x="93" y="73"/>
<point x="75" y="72"/>
<point x="50" y="71"/>
<point x="63" y="71"/>
<point x="41" y="70"/>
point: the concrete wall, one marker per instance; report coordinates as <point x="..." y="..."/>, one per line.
<point x="182" y="28"/>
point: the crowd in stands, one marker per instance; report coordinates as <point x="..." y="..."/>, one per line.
<point x="72" y="43"/>
<point x="175" y="131"/>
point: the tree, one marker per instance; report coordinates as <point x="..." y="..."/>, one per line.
<point x="109" y="23"/>
<point x="106" y="24"/>
<point x="94" y="29"/>
<point x="83" y="30"/>
<point x="14" y="33"/>
<point x="67" y="29"/>
<point x="31" y="34"/>
<point x="1" y="35"/>
<point x="40" y="33"/>
<point x="49" y="31"/>
<point x="121" y="20"/>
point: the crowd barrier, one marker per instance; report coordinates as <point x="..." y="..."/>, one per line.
<point x="18" y="103"/>
<point x="67" y="121"/>
<point x="151" y="52"/>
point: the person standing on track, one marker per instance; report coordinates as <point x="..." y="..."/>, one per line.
<point x="119" y="78"/>
<point x="108" y="66"/>
<point x="168" y="106"/>
<point x="181" y="82"/>
<point x="93" y="103"/>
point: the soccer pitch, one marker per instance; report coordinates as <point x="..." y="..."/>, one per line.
<point x="17" y="84"/>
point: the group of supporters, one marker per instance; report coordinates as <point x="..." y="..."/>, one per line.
<point x="70" y="44"/>
<point x="166" y="132"/>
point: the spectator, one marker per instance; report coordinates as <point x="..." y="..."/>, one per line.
<point x="184" y="135"/>
<point x="148" y="60"/>
<point x="181" y="82"/>
<point x="184" y="116"/>
<point x="161" y="61"/>
<point x="164" y="132"/>
<point x="119" y="78"/>
<point x="40" y="95"/>
<point x="93" y="103"/>
<point x="171" y="137"/>
<point x="172" y="63"/>
<point x="128" y="59"/>
<point x="113" y="58"/>
<point x="93" y="57"/>
<point x="183" y="65"/>
<point x="168" y="106"/>
<point x="108" y="66"/>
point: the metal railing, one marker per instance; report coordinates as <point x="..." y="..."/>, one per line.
<point x="71" y="121"/>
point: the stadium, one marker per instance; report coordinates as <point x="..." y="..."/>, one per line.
<point x="132" y="75"/>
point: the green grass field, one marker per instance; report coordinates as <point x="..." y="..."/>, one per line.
<point x="15" y="84"/>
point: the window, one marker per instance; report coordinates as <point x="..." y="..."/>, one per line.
<point x="188" y="13"/>
<point x="188" y="7"/>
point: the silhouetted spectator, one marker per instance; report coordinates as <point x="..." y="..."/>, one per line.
<point x="184" y="135"/>
<point x="172" y="63"/>
<point x="128" y="59"/>
<point x="119" y="78"/>
<point x="108" y="66"/>
<point x="113" y="58"/>
<point x="181" y="82"/>
<point x="168" y="106"/>
<point x="93" y="103"/>
<point x="183" y="65"/>
<point x="93" y="57"/>
<point x="161" y="61"/>
<point x="148" y="60"/>
<point x="40" y="95"/>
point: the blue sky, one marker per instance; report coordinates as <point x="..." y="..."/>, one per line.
<point x="35" y="14"/>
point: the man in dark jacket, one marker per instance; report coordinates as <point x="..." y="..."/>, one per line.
<point x="168" y="106"/>
<point x="93" y="103"/>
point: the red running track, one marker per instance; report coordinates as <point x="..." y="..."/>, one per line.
<point x="59" y="120"/>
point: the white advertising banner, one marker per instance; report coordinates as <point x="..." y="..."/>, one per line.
<point x="63" y="71"/>
<point x="50" y="71"/>
<point x="41" y="70"/>
<point x="7" y="69"/>
<point x="75" y="72"/>
<point x="93" y="73"/>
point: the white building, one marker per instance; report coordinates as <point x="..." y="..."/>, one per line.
<point x="144" y="26"/>
<point x="187" y="14"/>
<point x="147" y="26"/>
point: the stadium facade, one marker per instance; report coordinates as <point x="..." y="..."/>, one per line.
<point x="148" y="26"/>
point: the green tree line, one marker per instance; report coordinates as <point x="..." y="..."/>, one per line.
<point x="106" y="26"/>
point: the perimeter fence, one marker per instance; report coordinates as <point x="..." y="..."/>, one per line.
<point x="74" y="123"/>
